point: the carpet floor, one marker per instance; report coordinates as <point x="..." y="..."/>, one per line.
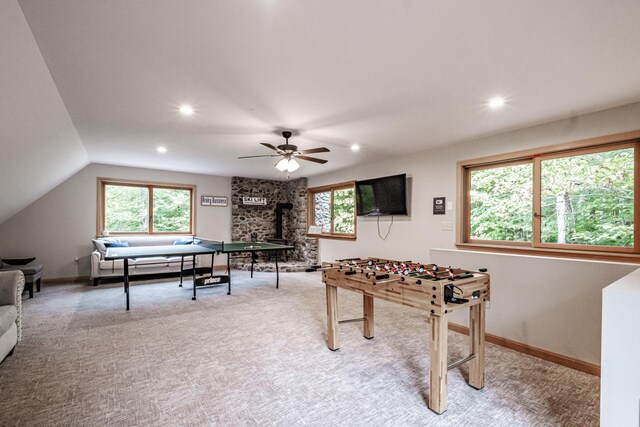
<point x="258" y="358"/>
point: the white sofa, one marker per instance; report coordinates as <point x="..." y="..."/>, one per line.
<point x="102" y="269"/>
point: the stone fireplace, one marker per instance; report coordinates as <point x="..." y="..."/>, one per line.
<point x="287" y="197"/>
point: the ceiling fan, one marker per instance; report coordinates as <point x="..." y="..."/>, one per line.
<point x="290" y="153"/>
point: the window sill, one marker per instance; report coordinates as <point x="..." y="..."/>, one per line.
<point x="333" y="236"/>
<point x="560" y="253"/>
<point x="155" y="233"/>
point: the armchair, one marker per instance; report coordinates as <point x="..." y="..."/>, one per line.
<point x="11" y="287"/>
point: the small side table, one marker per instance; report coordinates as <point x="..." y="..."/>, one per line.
<point x="19" y="260"/>
<point x="32" y="273"/>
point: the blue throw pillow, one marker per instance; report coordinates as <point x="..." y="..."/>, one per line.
<point x="183" y="242"/>
<point x="116" y="245"/>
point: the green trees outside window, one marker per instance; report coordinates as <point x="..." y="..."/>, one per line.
<point x="333" y="208"/>
<point x="130" y="208"/>
<point x="343" y="207"/>
<point x="574" y="199"/>
<point x="501" y="200"/>
<point x="588" y="199"/>
<point x="126" y="208"/>
<point x="171" y="210"/>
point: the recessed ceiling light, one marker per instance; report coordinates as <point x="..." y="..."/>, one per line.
<point x="497" y="102"/>
<point x="161" y="149"/>
<point x="355" y="147"/>
<point x="186" y="110"/>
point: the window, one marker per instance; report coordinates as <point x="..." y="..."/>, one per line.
<point x="332" y="211"/>
<point x="500" y="203"/>
<point x="131" y="207"/>
<point x="587" y="199"/>
<point x="574" y="199"/>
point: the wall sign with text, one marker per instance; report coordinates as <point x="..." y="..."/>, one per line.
<point x="438" y="205"/>
<point x="254" y="201"/>
<point x="214" y="201"/>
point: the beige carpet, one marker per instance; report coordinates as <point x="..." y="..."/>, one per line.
<point x="258" y="358"/>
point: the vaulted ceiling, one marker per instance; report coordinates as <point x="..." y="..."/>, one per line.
<point x="391" y="76"/>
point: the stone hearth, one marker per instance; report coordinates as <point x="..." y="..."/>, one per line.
<point x="285" y="266"/>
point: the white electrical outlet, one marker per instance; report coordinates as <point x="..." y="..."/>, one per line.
<point x="447" y="226"/>
<point x="449" y="206"/>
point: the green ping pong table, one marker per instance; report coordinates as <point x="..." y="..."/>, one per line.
<point x="196" y="247"/>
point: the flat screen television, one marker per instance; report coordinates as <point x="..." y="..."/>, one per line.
<point x="382" y="196"/>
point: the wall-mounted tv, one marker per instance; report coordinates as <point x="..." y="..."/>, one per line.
<point x="382" y="196"/>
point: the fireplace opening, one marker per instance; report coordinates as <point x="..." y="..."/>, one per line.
<point x="278" y="239"/>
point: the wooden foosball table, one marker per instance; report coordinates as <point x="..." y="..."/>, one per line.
<point x="437" y="290"/>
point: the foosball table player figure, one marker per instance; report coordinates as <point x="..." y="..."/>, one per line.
<point x="437" y="290"/>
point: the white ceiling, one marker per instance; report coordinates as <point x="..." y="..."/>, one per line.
<point x="392" y="76"/>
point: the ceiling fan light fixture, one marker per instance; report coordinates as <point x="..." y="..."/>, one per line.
<point x="287" y="164"/>
<point x="293" y="165"/>
<point x="282" y="165"/>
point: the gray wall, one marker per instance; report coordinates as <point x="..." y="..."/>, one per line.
<point x="549" y="303"/>
<point x="59" y="226"/>
<point x="433" y="174"/>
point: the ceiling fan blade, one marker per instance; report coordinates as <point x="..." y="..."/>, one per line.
<point x="266" y="155"/>
<point x="311" y="159"/>
<point x="270" y="146"/>
<point x="315" y="150"/>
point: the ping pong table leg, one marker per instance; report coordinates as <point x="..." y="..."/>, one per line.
<point x="277" y="273"/>
<point x="193" y="265"/>
<point x="181" y="269"/>
<point x="229" y="272"/>
<point x="126" y="280"/>
<point x="253" y="260"/>
<point x="212" y="258"/>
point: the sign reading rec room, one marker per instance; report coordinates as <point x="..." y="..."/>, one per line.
<point x="254" y="200"/>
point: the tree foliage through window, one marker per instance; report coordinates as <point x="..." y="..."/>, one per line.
<point x="501" y="200"/>
<point x="126" y="209"/>
<point x="586" y="198"/>
<point x="333" y="208"/>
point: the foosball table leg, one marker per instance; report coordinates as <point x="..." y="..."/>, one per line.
<point x="476" y="345"/>
<point x="333" y="339"/>
<point x="367" y="305"/>
<point x="438" y="364"/>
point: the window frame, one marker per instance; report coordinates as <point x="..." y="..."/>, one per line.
<point x="536" y="157"/>
<point x="150" y="185"/>
<point x="311" y="212"/>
